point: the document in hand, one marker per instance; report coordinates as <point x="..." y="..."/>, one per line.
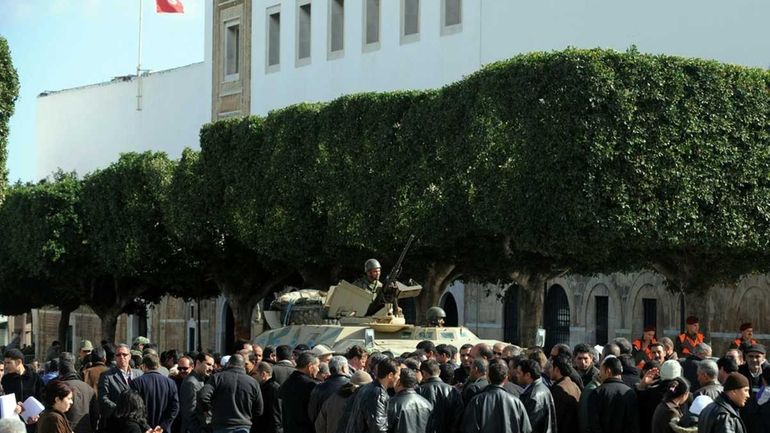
<point x="8" y="406"/>
<point x="32" y="407"/>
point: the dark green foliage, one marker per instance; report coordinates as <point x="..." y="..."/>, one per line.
<point x="9" y="91"/>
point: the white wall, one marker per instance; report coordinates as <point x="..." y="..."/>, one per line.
<point x="429" y="63"/>
<point x="494" y="30"/>
<point x="87" y="128"/>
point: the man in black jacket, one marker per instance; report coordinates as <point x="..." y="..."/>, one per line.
<point x="284" y="367"/>
<point x="271" y="420"/>
<point x="409" y="412"/>
<point x="446" y="400"/>
<point x="495" y="410"/>
<point x="613" y="406"/>
<point x="22" y="381"/>
<point x="340" y="375"/>
<point x="536" y="397"/>
<point x="477" y="380"/>
<point x="369" y="407"/>
<point x="232" y="396"/>
<point x="723" y="415"/>
<point x="295" y="395"/>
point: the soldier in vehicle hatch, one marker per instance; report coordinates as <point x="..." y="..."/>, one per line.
<point x="371" y="280"/>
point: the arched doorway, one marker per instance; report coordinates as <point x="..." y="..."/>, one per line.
<point x="450" y="308"/>
<point x="511" y="315"/>
<point x="557" y="317"/>
<point x="228" y="330"/>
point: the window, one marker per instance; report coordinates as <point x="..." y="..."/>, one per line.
<point x="451" y="16"/>
<point x="602" y="319"/>
<point x="371" y="25"/>
<point x="232" y="49"/>
<point x="273" y="55"/>
<point x="410" y="21"/>
<point x="303" y="33"/>
<point x="336" y="28"/>
<point x="650" y="312"/>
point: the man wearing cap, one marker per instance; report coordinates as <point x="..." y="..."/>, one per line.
<point x="746" y="338"/>
<point x="323" y="353"/>
<point x="85" y="354"/>
<point x="295" y="395"/>
<point x="371" y="279"/>
<point x="340" y="375"/>
<point x="686" y="341"/>
<point x="334" y="408"/>
<point x="22" y="381"/>
<point x="140" y="342"/>
<point x="752" y="369"/>
<point x="723" y="415"/>
<point x="642" y="352"/>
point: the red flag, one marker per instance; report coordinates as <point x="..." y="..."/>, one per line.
<point x="169" y="6"/>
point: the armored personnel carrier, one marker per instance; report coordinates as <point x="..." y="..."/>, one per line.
<point x="338" y="319"/>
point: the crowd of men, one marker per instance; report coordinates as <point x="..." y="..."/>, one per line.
<point x="435" y="388"/>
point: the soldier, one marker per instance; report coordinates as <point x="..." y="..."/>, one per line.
<point x="370" y="281"/>
<point x="687" y="341"/>
<point x="435" y="316"/>
<point x="745" y="340"/>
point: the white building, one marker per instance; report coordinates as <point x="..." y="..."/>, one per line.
<point x="264" y="55"/>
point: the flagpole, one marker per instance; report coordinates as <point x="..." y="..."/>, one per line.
<point x="139" y="64"/>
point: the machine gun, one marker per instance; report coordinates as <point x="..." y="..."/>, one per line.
<point x="390" y="290"/>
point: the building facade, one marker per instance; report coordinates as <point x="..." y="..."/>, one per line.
<point x="264" y="55"/>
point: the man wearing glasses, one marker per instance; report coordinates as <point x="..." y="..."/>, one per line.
<point x="116" y="380"/>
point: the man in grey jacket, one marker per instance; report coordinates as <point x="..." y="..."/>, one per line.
<point x="193" y="420"/>
<point x="114" y="381"/>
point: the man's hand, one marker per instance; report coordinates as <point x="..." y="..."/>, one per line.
<point x="32" y="420"/>
<point x="649" y="378"/>
<point x="19" y="408"/>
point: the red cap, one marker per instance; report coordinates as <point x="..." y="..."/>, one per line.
<point x="649" y="328"/>
<point x="746" y="326"/>
<point x="691" y="320"/>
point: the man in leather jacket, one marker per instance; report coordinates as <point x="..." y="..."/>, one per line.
<point x="409" y="412"/>
<point x="723" y="416"/>
<point x="370" y="404"/>
<point x="495" y="410"/>
<point x="536" y="397"/>
<point x="446" y="400"/>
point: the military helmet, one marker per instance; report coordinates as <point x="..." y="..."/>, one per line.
<point x="435" y="313"/>
<point x="371" y="264"/>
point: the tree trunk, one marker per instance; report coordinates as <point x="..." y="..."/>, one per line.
<point x="64" y="323"/>
<point x="531" y="305"/>
<point x="109" y="324"/>
<point x="435" y="280"/>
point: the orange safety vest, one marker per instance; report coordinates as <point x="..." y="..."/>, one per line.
<point x="647" y="352"/>
<point x="738" y="341"/>
<point x="688" y="344"/>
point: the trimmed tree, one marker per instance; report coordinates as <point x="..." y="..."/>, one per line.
<point x="9" y="91"/>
